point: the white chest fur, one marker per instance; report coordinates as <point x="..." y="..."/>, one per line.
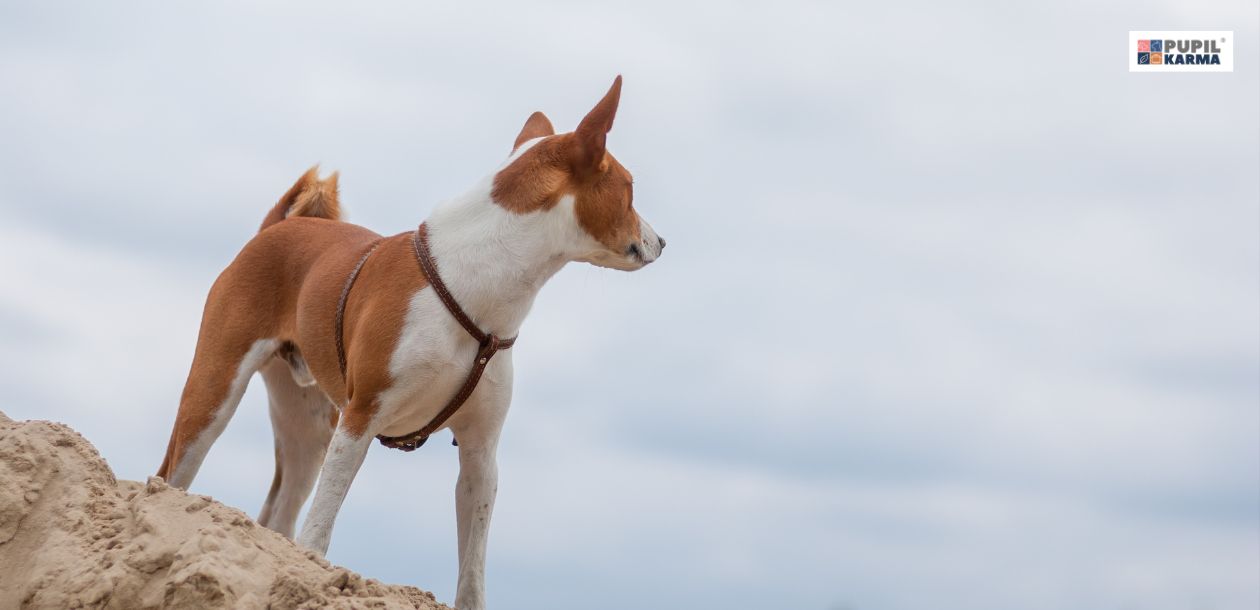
<point x="430" y="363"/>
<point x="493" y="262"/>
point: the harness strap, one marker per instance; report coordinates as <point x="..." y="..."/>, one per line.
<point x="489" y="345"/>
<point x="340" y="320"/>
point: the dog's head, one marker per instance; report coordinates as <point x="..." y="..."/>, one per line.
<point x="575" y="169"/>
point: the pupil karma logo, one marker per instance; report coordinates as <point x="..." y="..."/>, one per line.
<point x="1198" y="51"/>
<point x="1150" y="52"/>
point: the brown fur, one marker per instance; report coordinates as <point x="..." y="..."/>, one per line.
<point x="254" y="299"/>
<point x="321" y="201"/>
<point x="309" y="196"/>
<point x="536" y="180"/>
<point x="285" y="284"/>
<point x="536" y="126"/>
<point x="575" y="164"/>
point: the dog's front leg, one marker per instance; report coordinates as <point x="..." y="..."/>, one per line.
<point x="478" y="482"/>
<point x="345" y="456"/>
<point x="474" y="501"/>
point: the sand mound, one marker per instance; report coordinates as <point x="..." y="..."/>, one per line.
<point x="73" y="536"/>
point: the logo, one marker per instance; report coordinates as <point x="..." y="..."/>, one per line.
<point x="1181" y="51"/>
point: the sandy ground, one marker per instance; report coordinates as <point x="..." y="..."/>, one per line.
<point x="74" y="536"/>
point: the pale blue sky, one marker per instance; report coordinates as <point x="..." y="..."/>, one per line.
<point x="956" y="313"/>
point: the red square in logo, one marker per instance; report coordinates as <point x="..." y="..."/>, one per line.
<point x="1144" y="46"/>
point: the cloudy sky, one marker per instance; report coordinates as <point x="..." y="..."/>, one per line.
<point x="957" y="313"/>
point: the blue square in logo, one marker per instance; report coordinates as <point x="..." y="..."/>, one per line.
<point x="1157" y="46"/>
<point x="1144" y="59"/>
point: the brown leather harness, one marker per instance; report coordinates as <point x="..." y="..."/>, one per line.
<point x="489" y="344"/>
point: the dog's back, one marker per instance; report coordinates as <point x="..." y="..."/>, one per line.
<point x="253" y="310"/>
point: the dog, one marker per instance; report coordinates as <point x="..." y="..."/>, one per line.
<point x="355" y="339"/>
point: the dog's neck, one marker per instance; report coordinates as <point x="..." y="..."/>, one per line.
<point x="494" y="261"/>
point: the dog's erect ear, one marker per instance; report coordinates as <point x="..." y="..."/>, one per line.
<point x="536" y="126"/>
<point x="588" y="153"/>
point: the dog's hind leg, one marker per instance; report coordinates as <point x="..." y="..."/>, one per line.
<point x="303" y="420"/>
<point x="355" y="433"/>
<point x="215" y="386"/>
<point x="264" y="515"/>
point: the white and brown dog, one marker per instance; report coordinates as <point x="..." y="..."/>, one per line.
<point x="355" y="340"/>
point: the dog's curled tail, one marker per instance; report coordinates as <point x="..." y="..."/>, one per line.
<point x="309" y="196"/>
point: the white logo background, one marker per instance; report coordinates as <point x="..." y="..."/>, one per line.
<point x="1224" y="42"/>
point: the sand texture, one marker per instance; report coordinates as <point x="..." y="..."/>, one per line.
<point x="74" y="536"/>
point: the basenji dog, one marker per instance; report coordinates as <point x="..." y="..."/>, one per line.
<point x="355" y="339"/>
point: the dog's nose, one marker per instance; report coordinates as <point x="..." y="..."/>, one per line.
<point x="662" y="240"/>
